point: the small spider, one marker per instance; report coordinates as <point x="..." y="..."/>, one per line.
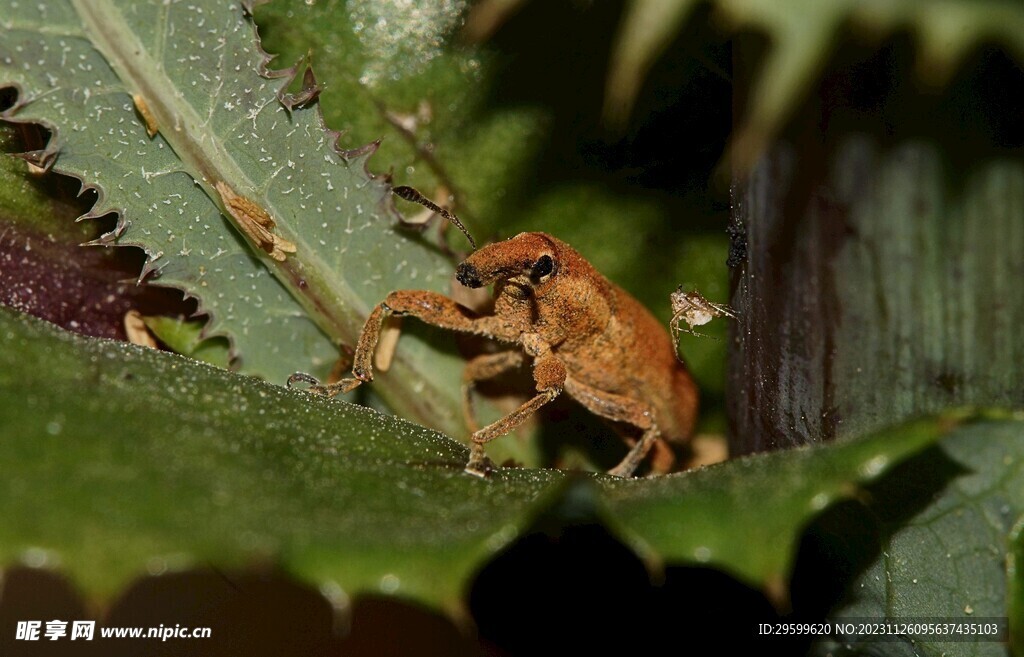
<point x="695" y="310"/>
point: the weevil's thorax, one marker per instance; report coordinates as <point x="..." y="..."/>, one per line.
<point x="575" y="304"/>
<point x="542" y="285"/>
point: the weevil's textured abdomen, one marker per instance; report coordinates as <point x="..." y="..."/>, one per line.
<point x="661" y="379"/>
<point x="610" y="341"/>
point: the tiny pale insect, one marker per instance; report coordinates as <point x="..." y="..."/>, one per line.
<point x="695" y="310"/>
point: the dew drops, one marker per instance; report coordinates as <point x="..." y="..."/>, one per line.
<point x="390" y="583"/>
<point x="402" y="36"/>
<point x="36" y="557"/>
<point x="874" y="466"/>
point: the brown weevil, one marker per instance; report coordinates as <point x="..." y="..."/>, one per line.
<point x="583" y="334"/>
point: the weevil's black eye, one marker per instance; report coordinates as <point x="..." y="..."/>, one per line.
<point x="542" y="267"/>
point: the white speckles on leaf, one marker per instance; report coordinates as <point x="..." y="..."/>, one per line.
<point x="402" y="36"/>
<point x="205" y="109"/>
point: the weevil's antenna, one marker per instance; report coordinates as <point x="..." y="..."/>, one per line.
<point x="410" y="194"/>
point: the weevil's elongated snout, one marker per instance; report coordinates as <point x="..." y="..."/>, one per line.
<point x="504" y="260"/>
<point x="468" y="275"/>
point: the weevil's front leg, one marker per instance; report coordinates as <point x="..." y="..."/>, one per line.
<point x="429" y="307"/>
<point x="362" y="361"/>
<point x="619" y="408"/>
<point x="482" y="368"/>
<point x="549" y="375"/>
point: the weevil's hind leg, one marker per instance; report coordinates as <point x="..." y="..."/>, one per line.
<point x="662" y="457"/>
<point x="479" y="464"/>
<point x="482" y="368"/>
<point x="549" y="375"/>
<point x="636" y="455"/>
<point x="619" y="408"/>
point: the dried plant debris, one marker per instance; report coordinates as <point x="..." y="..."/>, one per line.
<point x="137" y="331"/>
<point x="147" y="115"/>
<point x="256" y="223"/>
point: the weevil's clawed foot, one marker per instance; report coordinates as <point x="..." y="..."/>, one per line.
<point x="317" y="388"/>
<point x="479" y="465"/>
<point x="302" y="377"/>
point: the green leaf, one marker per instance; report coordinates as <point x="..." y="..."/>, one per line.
<point x="166" y="463"/>
<point x="1015" y="574"/>
<point x="647" y="28"/>
<point x="803" y="36"/>
<point x="185" y="337"/>
<point x="20" y="199"/>
<point x="950" y="560"/>
<point x="431" y="108"/>
<point x="118" y="458"/>
<point x="745" y="516"/>
<point x="223" y="119"/>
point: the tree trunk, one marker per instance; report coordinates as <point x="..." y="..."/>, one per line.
<point x="886" y="283"/>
